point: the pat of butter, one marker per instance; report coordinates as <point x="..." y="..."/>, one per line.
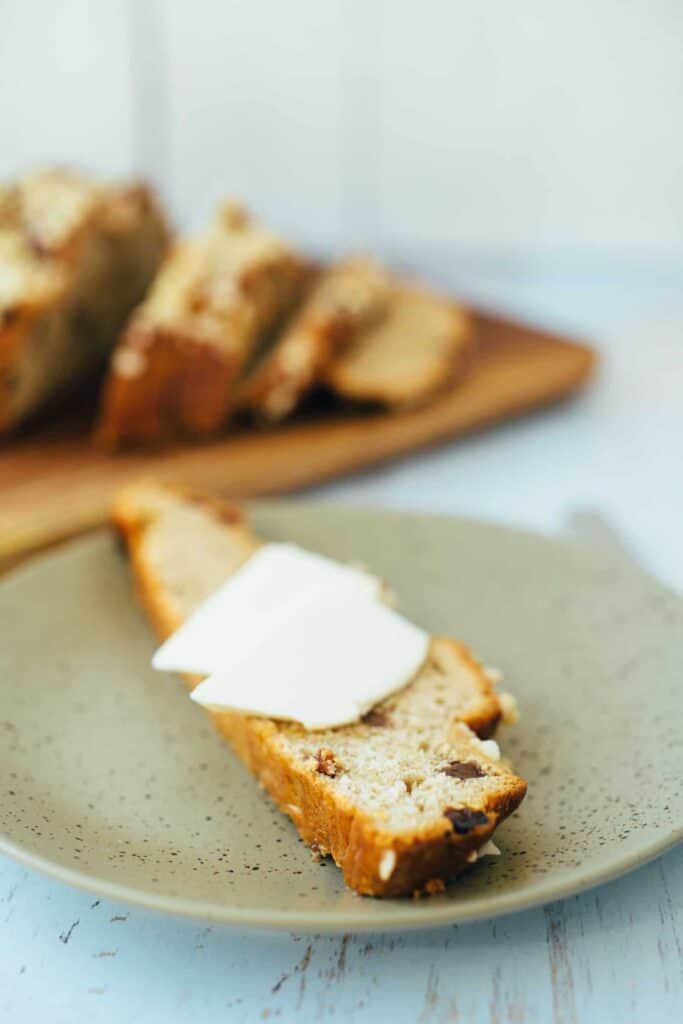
<point x="326" y="666"/>
<point x="273" y="587"/>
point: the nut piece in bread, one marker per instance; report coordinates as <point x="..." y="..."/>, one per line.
<point x="418" y="349"/>
<point x="76" y="256"/>
<point x="175" y="372"/>
<point x="403" y="799"/>
<point x="346" y="298"/>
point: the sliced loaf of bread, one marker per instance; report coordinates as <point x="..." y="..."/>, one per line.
<point x="216" y="298"/>
<point x="404" y="799"/>
<point x="346" y="298"/>
<point x="417" y="349"/>
<point x="76" y="255"/>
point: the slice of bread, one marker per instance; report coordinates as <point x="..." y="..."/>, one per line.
<point x="346" y="298"/>
<point x="402" y="800"/>
<point x="76" y="256"/>
<point x="175" y="371"/>
<point x="416" y="350"/>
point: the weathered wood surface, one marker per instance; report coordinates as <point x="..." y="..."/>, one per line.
<point x="611" y="955"/>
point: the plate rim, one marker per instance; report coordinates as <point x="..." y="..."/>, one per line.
<point x="415" y="916"/>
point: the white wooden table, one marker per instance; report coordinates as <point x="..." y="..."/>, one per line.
<point x="612" y="954"/>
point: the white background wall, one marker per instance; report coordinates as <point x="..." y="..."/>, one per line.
<point x="499" y="130"/>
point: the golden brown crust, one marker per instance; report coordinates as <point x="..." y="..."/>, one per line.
<point x="176" y="370"/>
<point x="165" y="385"/>
<point x="484" y="713"/>
<point x="326" y="818"/>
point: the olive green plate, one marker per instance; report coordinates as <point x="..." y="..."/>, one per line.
<point x="114" y="781"/>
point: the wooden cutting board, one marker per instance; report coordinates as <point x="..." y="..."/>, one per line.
<point x="54" y="484"/>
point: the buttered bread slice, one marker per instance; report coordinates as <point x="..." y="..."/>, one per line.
<point x="403" y="799"/>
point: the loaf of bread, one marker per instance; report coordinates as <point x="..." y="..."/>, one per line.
<point x="75" y="257"/>
<point x="402" y="800"/>
<point x="346" y="298"/>
<point x="217" y="297"/>
<point x="415" y="351"/>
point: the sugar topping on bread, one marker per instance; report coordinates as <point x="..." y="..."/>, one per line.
<point x="217" y="296"/>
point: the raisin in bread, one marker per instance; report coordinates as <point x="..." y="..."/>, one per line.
<point x="417" y="349"/>
<point x="404" y="799"/>
<point x="346" y="298"/>
<point x="76" y="256"/>
<point x="176" y="369"/>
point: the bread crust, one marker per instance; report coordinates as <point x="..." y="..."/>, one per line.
<point x="422" y="860"/>
<point x="164" y="385"/>
<point x="176" y="370"/>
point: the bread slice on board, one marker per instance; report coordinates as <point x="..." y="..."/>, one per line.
<point x="346" y="298"/>
<point x="417" y="349"/>
<point x="402" y="800"/>
<point x="216" y="297"/>
<point x="76" y="255"/>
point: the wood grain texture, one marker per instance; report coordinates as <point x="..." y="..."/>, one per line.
<point x="55" y="484"/>
<point x="609" y="956"/>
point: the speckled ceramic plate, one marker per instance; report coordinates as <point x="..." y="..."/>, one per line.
<point x="111" y="779"/>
